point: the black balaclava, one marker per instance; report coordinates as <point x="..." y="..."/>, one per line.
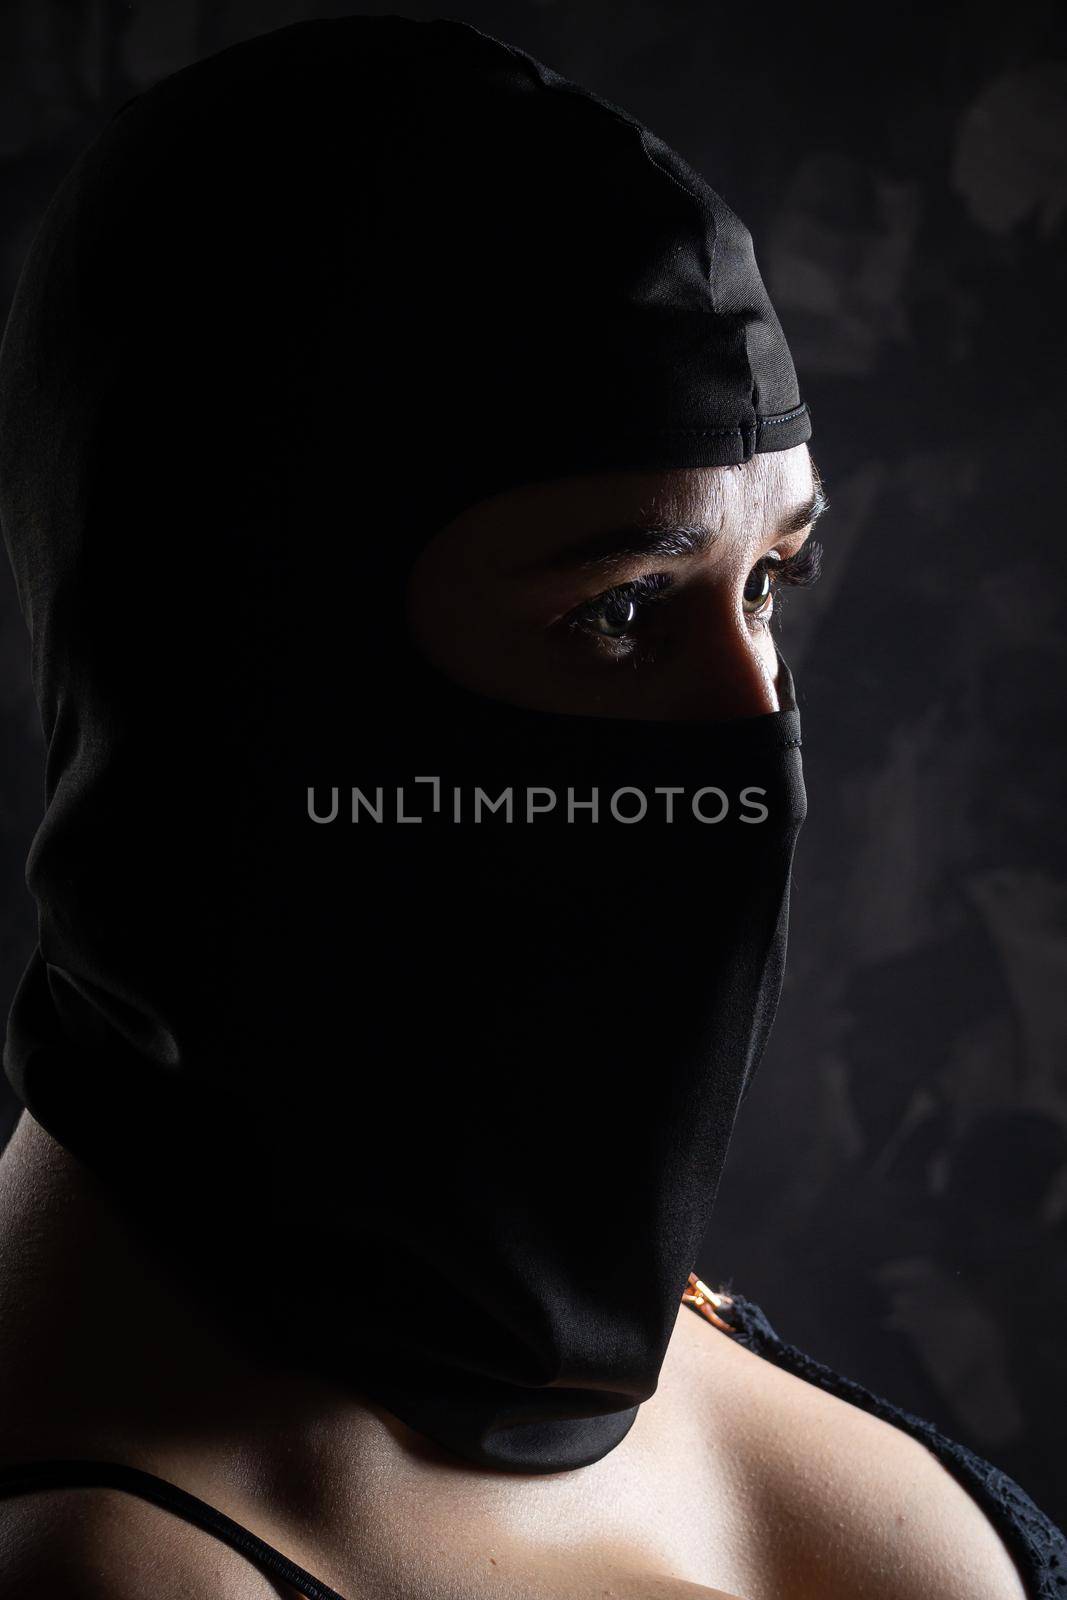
<point x="437" y="1108"/>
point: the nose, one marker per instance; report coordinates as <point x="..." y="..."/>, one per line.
<point x="725" y="668"/>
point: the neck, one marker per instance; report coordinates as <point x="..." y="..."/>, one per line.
<point x="131" y="1365"/>
<point x="104" y="1354"/>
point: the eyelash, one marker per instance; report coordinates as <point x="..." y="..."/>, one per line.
<point x="799" y="570"/>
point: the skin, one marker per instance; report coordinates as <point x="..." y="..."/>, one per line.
<point x="493" y="596"/>
<point x="134" y="1370"/>
<point x="736" y="1482"/>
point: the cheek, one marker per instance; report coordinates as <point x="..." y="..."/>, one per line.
<point x="471" y="626"/>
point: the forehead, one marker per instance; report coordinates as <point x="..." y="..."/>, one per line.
<point x="532" y="519"/>
<point x="749" y="496"/>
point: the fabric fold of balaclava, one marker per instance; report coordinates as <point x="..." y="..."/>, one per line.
<point x="415" y="1022"/>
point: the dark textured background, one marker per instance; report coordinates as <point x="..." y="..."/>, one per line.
<point x="896" y="1197"/>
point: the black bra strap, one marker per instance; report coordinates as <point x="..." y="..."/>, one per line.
<point x="25" y="1478"/>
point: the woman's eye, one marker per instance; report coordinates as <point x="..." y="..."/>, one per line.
<point x="775" y="572"/>
<point x="760" y="586"/>
<point x="616" y="613"/>
<point x="613" y="616"/>
<point x="617" y="617"/>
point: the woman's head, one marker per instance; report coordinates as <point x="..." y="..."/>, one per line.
<point x="409" y="910"/>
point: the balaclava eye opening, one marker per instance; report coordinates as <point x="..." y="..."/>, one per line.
<point x="296" y="307"/>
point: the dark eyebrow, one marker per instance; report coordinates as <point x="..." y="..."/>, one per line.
<point x="663" y="539"/>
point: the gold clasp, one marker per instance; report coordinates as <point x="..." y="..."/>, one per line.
<point x="703" y="1299"/>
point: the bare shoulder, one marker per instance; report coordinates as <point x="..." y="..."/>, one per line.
<point x="848" y="1503"/>
<point x="101" y="1544"/>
